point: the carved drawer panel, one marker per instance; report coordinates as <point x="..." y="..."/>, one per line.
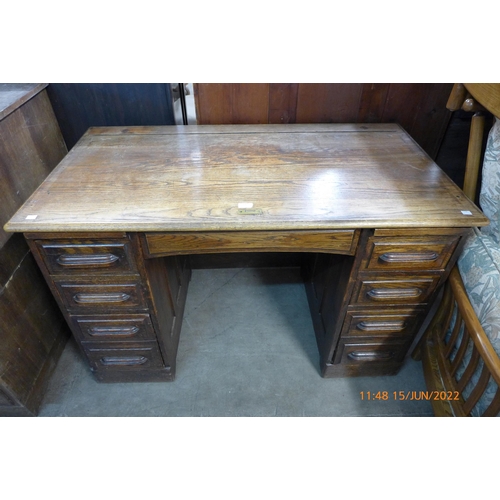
<point x="128" y="356"/>
<point x="382" y="322"/>
<point x="111" y="328"/>
<point x="353" y="352"/>
<point x="390" y="254"/>
<point x="89" y="258"/>
<point x="101" y="297"/>
<point x="379" y="291"/>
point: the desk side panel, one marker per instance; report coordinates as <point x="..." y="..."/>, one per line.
<point x="166" y="280"/>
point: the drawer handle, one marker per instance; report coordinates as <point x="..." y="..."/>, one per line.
<point x="104" y="259"/>
<point x="123" y="361"/>
<point x="367" y="355"/>
<point x="395" y="257"/>
<point x="90" y="298"/>
<point x="394" y="293"/>
<point x="97" y="331"/>
<point x="371" y="326"/>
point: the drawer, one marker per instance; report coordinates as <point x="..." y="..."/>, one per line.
<point x="392" y="322"/>
<point x="350" y="352"/>
<point x="89" y="258"/>
<point x="101" y="297"/>
<point x="113" y="328"/>
<point x="342" y="241"/>
<point x="409" y="254"/>
<point x="394" y="291"/>
<point x="130" y="356"/>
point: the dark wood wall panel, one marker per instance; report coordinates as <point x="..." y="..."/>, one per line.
<point x="79" y="106"/>
<point x="420" y="108"/>
<point x="226" y="103"/>
<point x="402" y="104"/>
<point x="432" y="117"/>
<point x="328" y="103"/>
<point x="372" y="103"/>
<point x="283" y="102"/>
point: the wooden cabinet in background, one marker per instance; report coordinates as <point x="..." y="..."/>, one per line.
<point x="78" y="106"/>
<point x="32" y="330"/>
<point x="420" y="108"/>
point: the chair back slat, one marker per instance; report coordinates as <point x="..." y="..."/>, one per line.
<point x="450" y="346"/>
<point x="494" y="407"/>
<point x="459" y="357"/>
<point x="478" y="390"/>
<point x="469" y="370"/>
<point x="447" y="305"/>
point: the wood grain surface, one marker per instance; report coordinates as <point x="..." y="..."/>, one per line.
<point x="14" y="95"/>
<point x="323" y="176"/>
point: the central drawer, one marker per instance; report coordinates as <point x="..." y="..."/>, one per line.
<point x="176" y="243"/>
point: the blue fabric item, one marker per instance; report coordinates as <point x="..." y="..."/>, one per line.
<point x="489" y="197"/>
<point x="479" y="266"/>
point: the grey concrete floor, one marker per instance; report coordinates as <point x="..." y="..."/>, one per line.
<point x="247" y="349"/>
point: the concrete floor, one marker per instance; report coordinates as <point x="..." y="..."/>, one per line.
<point x="247" y="348"/>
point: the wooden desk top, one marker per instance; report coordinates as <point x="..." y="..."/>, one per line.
<point x="193" y="178"/>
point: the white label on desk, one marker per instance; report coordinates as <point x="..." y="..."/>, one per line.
<point x="466" y="212"/>
<point x="245" y="205"/>
<point x="31" y="217"/>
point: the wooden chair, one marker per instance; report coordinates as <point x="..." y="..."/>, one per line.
<point x="460" y="363"/>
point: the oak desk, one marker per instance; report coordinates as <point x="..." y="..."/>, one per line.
<point x="378" y="223"/>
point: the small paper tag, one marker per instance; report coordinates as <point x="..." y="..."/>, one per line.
<point x="31" y="217"/>
<point x="250" y="211"/>
<point x="245" y="205"/>
<point x="466" y="212"/>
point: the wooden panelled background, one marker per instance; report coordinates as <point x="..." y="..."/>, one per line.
<point x="418" y="107"/>
<point x="32" y="330"/>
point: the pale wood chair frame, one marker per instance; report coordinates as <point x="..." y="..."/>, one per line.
<point x="440" y="362"/>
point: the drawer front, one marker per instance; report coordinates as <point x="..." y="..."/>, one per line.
<point x="125" y="357"/>
<point x="370" y="352"/>
<point x="382" y="323"/>
<point x="101" y="297"/>
<point x="113" y="329"/>
<point x="87" y="258"/>
<point x="335" y="241"/>
<point x="394" y="291"/>
<point x="391" y="254"/>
